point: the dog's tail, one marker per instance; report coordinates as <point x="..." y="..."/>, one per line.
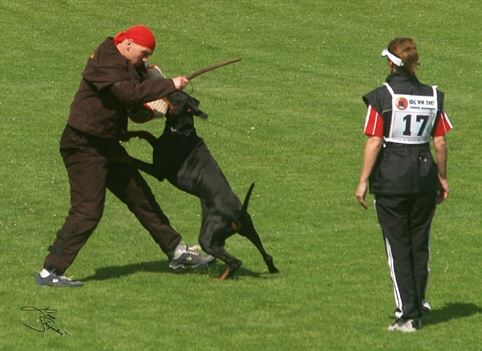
<point x="246" y="201"/>
<point x="236" y="224"/>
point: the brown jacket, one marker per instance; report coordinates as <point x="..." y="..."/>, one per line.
<point x="110" y="84"/>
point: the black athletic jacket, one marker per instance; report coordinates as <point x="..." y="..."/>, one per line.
<point x="402" y="169"/>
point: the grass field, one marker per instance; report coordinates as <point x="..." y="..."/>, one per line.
<point x="289" y="116"/>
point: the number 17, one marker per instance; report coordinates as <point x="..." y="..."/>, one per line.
<point x="408" y="124"/>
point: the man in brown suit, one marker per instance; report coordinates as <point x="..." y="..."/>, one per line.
<point x="113" y="80"/>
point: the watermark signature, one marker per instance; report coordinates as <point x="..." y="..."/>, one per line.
<point x="45" y="320"/>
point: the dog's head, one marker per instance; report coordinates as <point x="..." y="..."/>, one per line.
<point x="182" y="108"/>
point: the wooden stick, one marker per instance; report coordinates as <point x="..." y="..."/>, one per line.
<point x="204" y="70"/>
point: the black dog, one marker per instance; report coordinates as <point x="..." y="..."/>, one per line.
<point x="182" y="157"/>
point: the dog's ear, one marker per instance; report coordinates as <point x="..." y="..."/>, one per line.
<point x="194" y="107"/>
<point x="201" y="114"/>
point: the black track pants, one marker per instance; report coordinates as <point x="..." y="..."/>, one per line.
<point x="406" y="224"/>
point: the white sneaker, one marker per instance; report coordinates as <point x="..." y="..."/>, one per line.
<point x="406" y="326"/>
<point x="185" y="256"/>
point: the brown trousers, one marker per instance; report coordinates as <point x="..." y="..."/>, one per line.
<point x="94" y="165"/>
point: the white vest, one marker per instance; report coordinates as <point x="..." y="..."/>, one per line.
<point x="413" y="117"/>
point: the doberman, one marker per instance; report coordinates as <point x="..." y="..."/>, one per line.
<point x="182" y="157"/>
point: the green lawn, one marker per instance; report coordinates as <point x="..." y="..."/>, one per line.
<point x="290" y="117"/>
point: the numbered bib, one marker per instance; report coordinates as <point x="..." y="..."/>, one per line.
<point x="413" y="117"/>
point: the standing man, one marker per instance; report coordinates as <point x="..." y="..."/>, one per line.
<point x="113" y="79"/>
<point x="403" y="115"/>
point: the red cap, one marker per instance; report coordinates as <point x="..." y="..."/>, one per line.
<point x="139" y="34"/>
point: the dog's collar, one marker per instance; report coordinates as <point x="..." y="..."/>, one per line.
<point x="184" y="132"/>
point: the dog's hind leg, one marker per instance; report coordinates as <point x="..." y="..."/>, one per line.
<point x="245" y="227"/>
<point x="247" y="230"/>
<point x="230" y="269"/>
<point x="212" y="239"/>
<point x="232" y="263"/>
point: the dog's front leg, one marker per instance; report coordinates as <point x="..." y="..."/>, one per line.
<point x="148" y="168"/>
<point x="142" y="134"/>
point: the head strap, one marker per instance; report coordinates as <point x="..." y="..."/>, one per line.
<point x="395" y="59"/>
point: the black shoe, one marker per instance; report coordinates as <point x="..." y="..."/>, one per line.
<point x="57" y="280"/>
